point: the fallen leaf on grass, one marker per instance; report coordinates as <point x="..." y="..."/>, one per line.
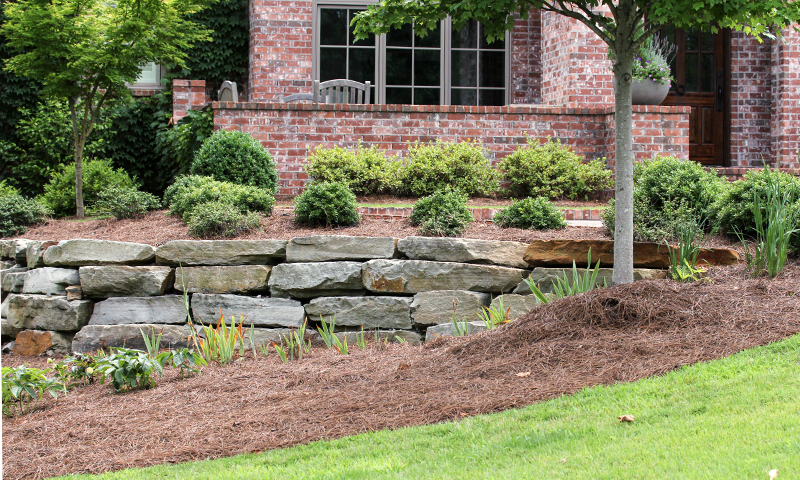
<point x="626" y="418"/>
<point x="563" y="460"/>
<point x="523" y="374"/>
<point x="773" y="474"/>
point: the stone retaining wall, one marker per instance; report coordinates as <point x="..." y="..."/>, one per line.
<point x="82" y="295"/>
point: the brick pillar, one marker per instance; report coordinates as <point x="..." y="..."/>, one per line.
<point x="188" y="95"/>
<point x="526" y="60"/>
<point x="786" y="100"/>
<point x="575" y="67"/>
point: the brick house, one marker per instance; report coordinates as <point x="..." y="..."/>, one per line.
<point x="734" y="102"/>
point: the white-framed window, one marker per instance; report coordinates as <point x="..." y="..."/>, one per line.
<point x="149" y="78"/>
<point x="446" y="67"/>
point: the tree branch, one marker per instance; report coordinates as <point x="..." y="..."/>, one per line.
<point x="588" y="21"/>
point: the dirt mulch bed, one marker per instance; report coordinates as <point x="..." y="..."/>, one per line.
<point x="617" y="334"/>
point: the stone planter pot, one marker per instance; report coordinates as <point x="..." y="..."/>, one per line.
<point x="648" y="92"/>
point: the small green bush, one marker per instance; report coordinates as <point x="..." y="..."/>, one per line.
<point x="98" y="176"/>
<point x="220" y="219"/>
<point x="124" y="202"/>
<point x="531" y="213"/>
<point x="189" y="191"/>
<point x="17" y="213"/>
<point x="442" y="214"/>
<point x="365" y="171"/>
<point x="463" y="166"/>
<point x="670" y="195"/>
<point x="553" y="170"/>
<point x="328" y="204"/>
<point x="238" y="158"/>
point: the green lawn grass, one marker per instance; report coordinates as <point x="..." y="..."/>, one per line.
<point x="735" y="418"/>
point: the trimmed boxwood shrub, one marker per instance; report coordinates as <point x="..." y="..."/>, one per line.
<point x="364" y="171"/>
<point x="238" y="158"/>
<point x="98" y="176"/>
<point x="442" y="214"/>
<point x="17" y="213"/>
<point x="124" y="202"/>
<point x="667" y="194"/>
<point x="531" y="213"/>
<point x="326" y="204"/>
<point x="553" y="170"/>
<point x="463" y="166"/>
<point x="189" y="191"/>
<point x="220" y="219"/>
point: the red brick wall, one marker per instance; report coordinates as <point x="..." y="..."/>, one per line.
<point x="526" y="60"/>
<point x="785" y="125"/>
<point x="288" y="130"/>
<point x="188" y="95"/>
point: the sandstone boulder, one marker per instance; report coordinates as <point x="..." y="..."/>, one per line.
<point x="325" y="248"/>
<point x="94" y="337"/>
<point x="437" y="306"/>
<point x="221" y="252"/>
<point x="31" y="343"/>
<point x="50" y="280"/>
<point x="40" y="312"/>
<point x="414" y="276"/>
<point x="366" y="312"/>
<point x="6" y="329"/>
<point x="258" y="311"/>
<point x="449" y="330"/>
<point x="125" y="281"/>
<point x="12" y="282"/>
<point x="81" y="252"/>
<point x="463" y="250"/>
<point x="223" y="279"/>
<point x="124" y="310"/>
<point x="34" y="253"/>
<point x="309" y="280"/>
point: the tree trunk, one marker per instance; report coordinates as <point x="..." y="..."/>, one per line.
<point x="79" y="177"/>
<point x="623" y="116"/>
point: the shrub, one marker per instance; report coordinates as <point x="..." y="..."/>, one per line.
<point x="124" y="202"/>
<point x="443" y="214"/>
<point x="238" y="158"/>
<point x="17" y="213"/>
<point x="464" y="166"/>
<point x="128" y="369"/>
<point x="553" y="170"/>
<point x="327" y="204"/>
<point x="189" y="191"/>
<point x="364" y="171"/>
<point x="531" y="213"/>
<point x="220" y="219"/>
<point x="98" y="176"/>
<point x="670" y="195"/>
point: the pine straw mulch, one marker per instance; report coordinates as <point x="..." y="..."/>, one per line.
<point x="616" y="334"/>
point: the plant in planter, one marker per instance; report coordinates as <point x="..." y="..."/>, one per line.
<point x="651" y="73"/>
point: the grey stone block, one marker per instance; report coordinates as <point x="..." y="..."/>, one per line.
<point x="309" y="280"/>
<point x="463" y="250"/>
<point x="258" y="311"/>
<point x="325" y="248"/>
<point x="414" y="276"/>
<point x="125" y="310"/>
<point x="367" y="312"/>
<point x="436" y="307"/>
<point x="40" y="312"/>
<point x="125" y="281"/>
<point x="81" y="252"/>
<point x="221" y="252"/>
<point x="223" y="279"/>
<point x="94" y="337"/>
<point x="449" y="330"/>
<point x="50" y="280"/>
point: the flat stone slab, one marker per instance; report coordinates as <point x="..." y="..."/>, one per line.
<point x="223" y="279"/>
<point x="81" y="252"/>
<point x="414" y="276"/>
<point x="561" y="253"/>
<point x="436" y="307"/>
<point x="258" y="311"/>
<point x="34" y="253"/>
<point x="31" y="343"/>
<point x="39" y="312"/>
<point x="125" y="281"/>
<point x="94" y="337"/>
<point x="449" y="330"/>
<point x="125" y="310"/>
<point x="391" y="336"/>
<point x="326" y="248"/>
<point x="309" y="280"/>
<point x="221" y="252"/>
<point x="463" y="250"/>
<point x="12" y="282"/>
<point x="516" y="305"/>
<point x="545" y="277"/>
<point x="367" y="312"/>
<point x="50" y="280"/>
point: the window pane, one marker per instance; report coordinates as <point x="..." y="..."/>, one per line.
<point x="691" y="39"/>
<point x="426" y="68"/>
<point x="400" y="37"/>
<point x="707" y="72"/>
<point x="149" y="74"/>
<point x="464" y="69"/>
<point x="493" y="69"/>
<point x="707" y="41"/>
<point x="332" y="63"/>
<point x="432" y="39"/>
<point x="333" y="26"/>
<point x="398" y="95"/>
<point x="499" y="44"/>
<point x="426" y="96"/>
<point x="493" y="97"/>
<point x="691" y="72"/>
<point x="365" y="42"/>
<point x="362" y="65"/>
<point x="460" y="96"/>
<point x="398" y="67"/>
<point x="467" y="37"/>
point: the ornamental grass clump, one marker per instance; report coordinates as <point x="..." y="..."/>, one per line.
<point x="531" y="214"/>
<point x="443" y="214"/>
<point x="326" y="204"/>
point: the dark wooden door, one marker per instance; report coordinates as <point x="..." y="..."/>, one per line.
<point x="700" y="83"/>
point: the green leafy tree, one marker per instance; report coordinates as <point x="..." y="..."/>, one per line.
<point x="85" y="51"/>
<point x="620" y="24"/>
